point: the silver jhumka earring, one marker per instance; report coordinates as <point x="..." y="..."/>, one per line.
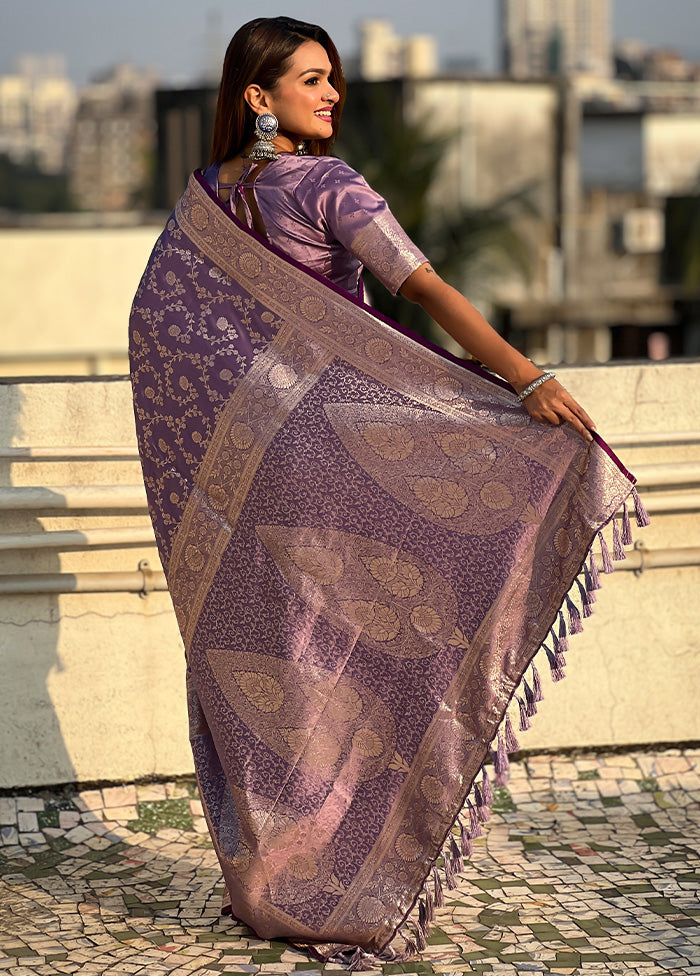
<point x="266" y="130"/>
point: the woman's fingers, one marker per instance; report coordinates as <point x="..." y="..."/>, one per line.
<point x="552" y="404"/>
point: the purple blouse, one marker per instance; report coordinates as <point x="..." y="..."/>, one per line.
<point x="322" y="213"/>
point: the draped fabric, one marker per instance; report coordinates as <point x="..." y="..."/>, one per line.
<point x="366" y="542"/>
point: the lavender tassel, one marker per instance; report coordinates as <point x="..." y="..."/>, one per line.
<point x="595" y="575"/>
<point x="524" y="720"/>
<point x="605" y="553"/>
<point x="562" y="643"/>
<point x="421" y="944"/>
<point x="590" y="588"/>
<point x="482" y="810"/>
<point x="450" y="879"/>
<point x="536" y="684"/>
<point x="626" y="527"/>
<point x="429" y="902"/>
<point x="465" y="841"/>
<point x="618" y="551"/>
<point x="410" y="948"/>
<point x="512" y="744"/>
<point x="500" y="762"/>
<point x="474" y="822"/>
<point x="585" y="601"/>
<point x="423" y="922"/>
<point x="556" y="671"/>
<point x="486" y="790"/>
<point x="639" y="510"/>
<point x="575" y="625"/>
<point x="437" y="890"/>
<point x="530" y="704"/>
<point x="457" y="862"/>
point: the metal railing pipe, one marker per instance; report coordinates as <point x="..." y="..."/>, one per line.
<point x="72" y="496"/>
<point x="79" y="538"/>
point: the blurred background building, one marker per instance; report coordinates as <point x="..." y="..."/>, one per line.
<point x="555" y="37"/>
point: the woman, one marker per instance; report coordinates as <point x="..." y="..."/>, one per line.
<point x="366" y="541"/>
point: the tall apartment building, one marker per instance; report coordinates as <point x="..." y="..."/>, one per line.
<point x="37" y="105"/>
<point x="113" y="142"/>
<point x="555" y="37"/>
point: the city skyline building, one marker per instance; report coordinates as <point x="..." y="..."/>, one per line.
<point x="37" y="106"/>
<point x="555" y="37"/>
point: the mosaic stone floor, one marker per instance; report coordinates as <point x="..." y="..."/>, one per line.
<point x="590" y="865"/>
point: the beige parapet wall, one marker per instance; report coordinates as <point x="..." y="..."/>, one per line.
<point x="93" y="680"/>
<point x="66" y="296"/>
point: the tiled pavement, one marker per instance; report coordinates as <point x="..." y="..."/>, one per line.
<point x="590" y="864"/>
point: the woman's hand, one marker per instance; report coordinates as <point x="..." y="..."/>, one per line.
<point x="551" y="403"/>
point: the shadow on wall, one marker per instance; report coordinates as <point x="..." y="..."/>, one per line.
<point x="30" y="730"/>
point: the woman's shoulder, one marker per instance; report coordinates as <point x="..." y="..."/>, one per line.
<point x="315" y="168"/>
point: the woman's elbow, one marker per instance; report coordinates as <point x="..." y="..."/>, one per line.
<point x="421" y="284"/>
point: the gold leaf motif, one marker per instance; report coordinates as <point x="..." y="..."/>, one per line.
<point x="425" y="619"/>
<point x="241" y="436"/>
<point x="199" y="216"/>
<point x="401" y="578"/>
<point x="378" y="350"/>
<point x="445" y="498"/>
<point x="473" y="454"/>
<point x="322" y="565"/>
<point x="408" y="847"/>
<point x="496" y="496"/>
<point x="322" y="751"/>
<point x="378" y="620"/>
<point x="530" y="516"/>
<point x="296" y="739"/>
<point x="261" y="690"/>
<point x="432" y="789"/>
<point x="399" y="764"/>
<point x="218" y="497"/>
<point x="282" y="377"/>
<point x="385" y="624"/>
<point x="312" y="308"/>
<point x="194" y="559"/>
<point x="447" y="388"/>
<point x="250" y="264"/>
<point x="371" y="909"/>
<point x="303" y="867"/>
<point x="457" y="639"/>
<point x="345" y="705"/>
<point x="562" y="542"/>
<point x="333" y="886"/>
<point x="389" y="441"/>
<point x="368" y="743"/>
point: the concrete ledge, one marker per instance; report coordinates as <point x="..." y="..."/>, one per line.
<point x="93" y="682"/>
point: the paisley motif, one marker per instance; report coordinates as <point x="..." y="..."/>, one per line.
<point x="390" y="600"/>
<point x="307" y="715"/>
<point x="420" y="457"/>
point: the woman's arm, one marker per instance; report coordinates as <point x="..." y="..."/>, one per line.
<point x="550" y="402"/>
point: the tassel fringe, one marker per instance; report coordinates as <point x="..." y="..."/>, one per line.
<point x="459" y="846"/>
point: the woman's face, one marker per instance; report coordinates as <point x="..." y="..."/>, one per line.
<point x="302" y="100"/>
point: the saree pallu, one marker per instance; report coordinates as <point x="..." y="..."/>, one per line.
<point x="366" y="542"/>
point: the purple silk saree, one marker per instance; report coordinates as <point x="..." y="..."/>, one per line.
<point x="366" y="542"/>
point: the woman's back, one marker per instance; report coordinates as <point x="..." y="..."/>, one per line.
<point x="323" y="214"/>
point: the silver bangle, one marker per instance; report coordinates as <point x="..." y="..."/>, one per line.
<point x="531" y="387"/>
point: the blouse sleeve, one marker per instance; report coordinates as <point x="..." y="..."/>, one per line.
<point x="359" y="219"/>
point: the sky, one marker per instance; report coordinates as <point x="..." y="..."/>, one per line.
<point x="180" y="38"/>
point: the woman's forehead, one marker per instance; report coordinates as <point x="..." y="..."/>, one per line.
<point x="308" y="56"/>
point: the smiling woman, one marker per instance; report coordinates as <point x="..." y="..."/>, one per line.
<point x="366" y="541"/>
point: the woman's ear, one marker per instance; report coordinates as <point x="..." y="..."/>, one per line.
<point x="256" y="98"/>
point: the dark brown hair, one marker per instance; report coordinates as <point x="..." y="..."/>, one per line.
<point x="259" y="54"/>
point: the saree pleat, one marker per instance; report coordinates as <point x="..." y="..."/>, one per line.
<point x="366" y="542"/>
